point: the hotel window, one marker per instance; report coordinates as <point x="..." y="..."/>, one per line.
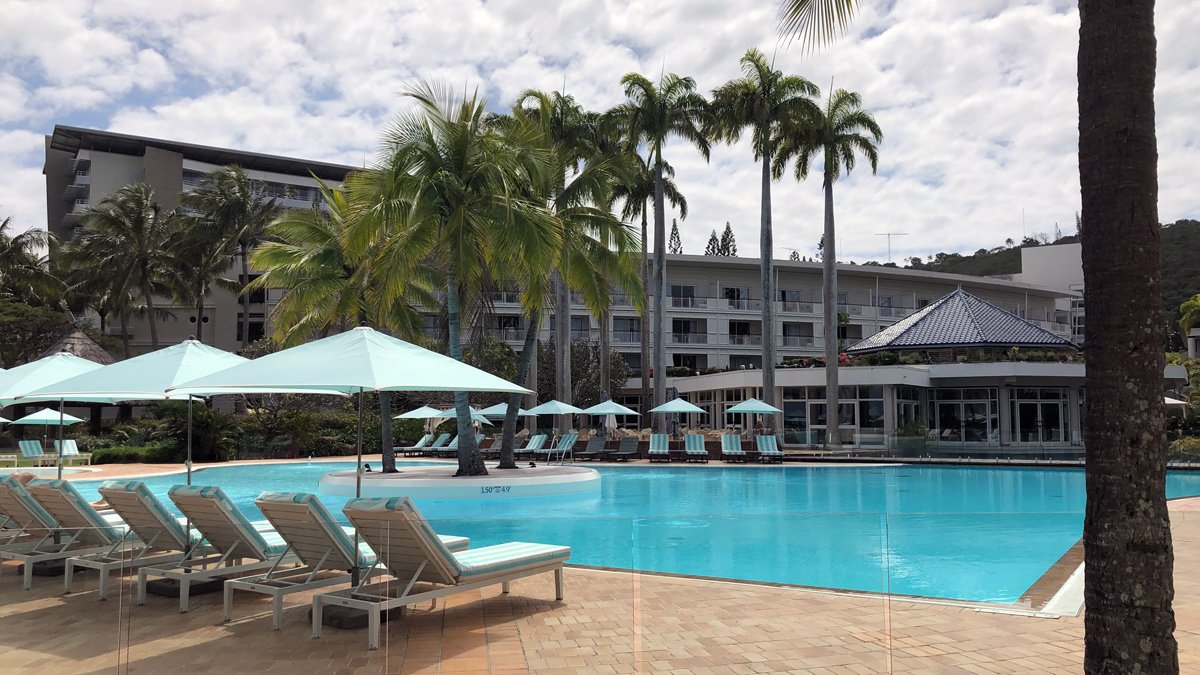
<point x="968" y="415"/>
<point x="738" y="297"/>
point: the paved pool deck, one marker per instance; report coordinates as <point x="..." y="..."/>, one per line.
<point x="609" y="622"/>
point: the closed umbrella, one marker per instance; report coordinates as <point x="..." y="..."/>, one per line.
<point x="357" y="361"/>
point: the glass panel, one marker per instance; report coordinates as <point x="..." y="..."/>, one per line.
<point x="816" y="392"/>
<point x="949" y="421"/>
<point x="795" y="422"/>
<point x="1052" y="423"/>
<point x="975" y="422"/>
<point x="793" y="393"/>
<point x="847" y="392"/>
<point x="870" y="423"/>
<point x="816" y="414"/>
<point x="875" y="391"/>
<point x="1027" y="423"/>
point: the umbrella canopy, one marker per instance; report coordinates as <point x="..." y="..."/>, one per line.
<point x="678" y="406"/>
<point x="609" y="407"/>
<point x="41" y="373"/>
<point x="4" y="421"/>
<point x="753" y="406"/>
<point x="477" y="416"/>
<point x="361" y="359"/>
<point x="501" y="410"/>
<point x="48" y="417"/>
<point x="422" y="413"/>
<point x="142" y="378"/>
<point x="554" y="408"/>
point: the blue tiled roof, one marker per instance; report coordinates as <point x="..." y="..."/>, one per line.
<point x="960" y="320"/>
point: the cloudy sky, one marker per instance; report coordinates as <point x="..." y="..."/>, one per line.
<point x="976" y="99"/>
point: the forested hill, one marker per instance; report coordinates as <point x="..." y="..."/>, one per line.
<point x="1180" y="262"/>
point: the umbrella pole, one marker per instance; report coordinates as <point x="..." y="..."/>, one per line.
<point x="189" y="442"/>
<point x="358" y="480"/>
<point x="58" y="448"/>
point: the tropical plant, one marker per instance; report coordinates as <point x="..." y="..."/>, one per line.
<point x="239" y="209"/>
<point x="635" y="194"/>
<point x="838" y="132"/>
<point x="774" y="107"/>
<point x="129" y="232"/>
<point x="1189" y="315"/>
<point x="1127" y="536"/>
<point x="453" y="189"/>
<point x="203" y="255"/>
<point x="25" y="275"/>
<point x="652" y="114"/>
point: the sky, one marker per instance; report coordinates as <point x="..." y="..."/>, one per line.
<point x="976" y="99"/>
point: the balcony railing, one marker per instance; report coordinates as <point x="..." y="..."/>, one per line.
<point x="687" y="303"/>
<point x="744" y="304"/>
<point x="507" y="334"/>
<point x="505" y="297"/>
<point x="689" y="338"/>
<point x="796" y="307"/>
<point x="745" y="339"/>
<point x="627" y="337"/>
<point x="799" y="341"/>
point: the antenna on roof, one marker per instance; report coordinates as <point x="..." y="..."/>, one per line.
<point x="889" y="235"/>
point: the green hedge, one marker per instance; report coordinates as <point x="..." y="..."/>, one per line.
<point x="151" y="453"/>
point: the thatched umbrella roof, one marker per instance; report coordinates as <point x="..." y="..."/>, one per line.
<point x="79" y="344"/>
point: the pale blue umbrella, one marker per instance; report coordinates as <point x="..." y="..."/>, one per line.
<point x="610" y="409"/>
<point x="555" y="408"/>
<point x="422" y="413"/>
<point x="476" y="416"/>
<point x="46" y="418"/>
<point x="753" y="406"/>
<point x="679" y="407"/>
<point x="501" y="410"/>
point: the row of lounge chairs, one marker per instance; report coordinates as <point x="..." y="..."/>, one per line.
<point x="694" y="449"/>
<point x="300" y="547"/>
<point x="32" y="450"/>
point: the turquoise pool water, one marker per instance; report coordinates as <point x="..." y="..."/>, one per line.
<point x="973" y="533"/>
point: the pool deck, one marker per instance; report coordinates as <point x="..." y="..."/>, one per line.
<point x="610" y="622"/>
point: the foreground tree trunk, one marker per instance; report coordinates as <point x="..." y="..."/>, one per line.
<point x="1128" y="584"/>
<point x="605" y="319"/>
<point x="660" y="294"/>
<point x="245" y="296"/>
<point x="766" y="252"/>
<point x="562" y="346"/>
<point x="150" y="314"/>
<point x="644" y="325"/>
<point x="470" y="462"/>
<point x="124" y="318"/>
<point x="833" y="438"/>
<point x="200" y="315"/>
<point x="528" y="351"/>
<point x="386" y="436"/>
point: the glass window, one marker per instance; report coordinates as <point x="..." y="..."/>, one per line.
<point x="872" y="392"/>
<point x="795" y="423"/>
<point x="816" y="393"/>
<point x="847" y="392"/>
<point x="793" y="393"/>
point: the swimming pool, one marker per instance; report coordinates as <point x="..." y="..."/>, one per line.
<point x="969" y="533"/>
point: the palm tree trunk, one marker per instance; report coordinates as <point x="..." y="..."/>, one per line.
<point x="1128" y="558"/>
<point x="242" y="254"/>
<point x="386" y="436"/>
<point x="660" y="292"/>
<point x="150" y="313"/>
<point x="514" y="402"/>
<point x="833" y="439"/>
<point x="562" y="345"/>
<point x="605" y="355"/>
<point x="470" y="463"/>
<point x="766" y="251"/>
<point x="200" y="314"/>
<point x="644" y="325"/>
<point x="124" y="318"/>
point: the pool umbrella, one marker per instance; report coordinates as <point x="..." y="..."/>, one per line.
<point x="476" y="415"/>
<point x="46" y="418"/>
<point x="501" y="410"/>
<point x="422" y="413"/>
<point x="753" y="406"/>
<point x="610" y="409"/>
<point x="357" y="361"/>
<point x="4" y="421"/>
<point x="553" y="407"/>
<point x="144" y="378"/>
<point x="680" y="407"/>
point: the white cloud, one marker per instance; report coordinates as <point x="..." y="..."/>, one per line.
<point x="977" y="100"/>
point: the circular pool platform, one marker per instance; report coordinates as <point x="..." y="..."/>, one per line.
<point x="438" y="482"/>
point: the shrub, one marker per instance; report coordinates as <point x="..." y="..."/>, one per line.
<point x="162" y="452"/>
<point x="141" y="432"/>
<point x="1186" y="449"/>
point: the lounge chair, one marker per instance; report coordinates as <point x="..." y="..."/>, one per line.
<point x="32" y="449"/>
<point x="414" y="449"/>
<point x="768" y="449"/>
<point x="593" y="450"/>
<point x="432" y="449"/>
<point x="321" y="544"/>
<point x="160" y="537"/>
<point x="660" y="448"/>
<point x="731" y="448"/>
<point x="239" y="547"/>
<point x="626" y="450"/>
<point x="451" y="449"/>
<point x="409" y="552"/>
<point x="693" y="448"/>
<point x="536" y="443"/>
<point x="23" y="521"/>
<point x="79" y="529"/>
<point x="70" y="451"/>
<point x="565" y="447"/>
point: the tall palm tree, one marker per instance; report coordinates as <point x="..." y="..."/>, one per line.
<point x="237" y="207"/>
<point x="453" y="189"/>
<point x="130" y="232"/>
<point x="25" y="274"/>
<point x="635" y="196"/>
<point x="202" y="254"/>
<point x="652" y="114"/>
<point x="329" y="287"/>
<point x="774" y="106"/>
<point x="1189" y="315"/>
<point x="1126" y="532"/>
<point x="838" y="132"/>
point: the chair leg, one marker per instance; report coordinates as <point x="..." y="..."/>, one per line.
<point x="68" y="573"/>
<point x="141" y="590"/>
<point x="103" y="581"/>
<point x="558" y="583"/>
<point x="185" y="587"/>
<point x="276" y="611"/>
<point x="316" y="617"/>
<point x="373" y="628"/>
<point x="27" y="584"/>
<point x="504" y="587"/>
<point x="228" y="603"/>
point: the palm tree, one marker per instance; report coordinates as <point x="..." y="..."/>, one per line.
<point x="775" y="106"/>
<point x="1189" y="315"/>
<point x="130" y="232"/>
<point x="328" y="287"/>
<point x="454" y="189"/>
<point x="652" y="114"/>
<point x="839" y="131"/>
<point x="1126" y="532"/>
<point x="237" y="207"/>
<point x="202" y="254"/>
<point x="635" y="195"/>
<point x="25" y="275"/>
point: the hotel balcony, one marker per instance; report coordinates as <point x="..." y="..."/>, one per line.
<point x="506" y="334"/>
<point x="689" y="338"/>
<point x="794" y="307"/>
<point x="627" y="337"/>
<point x="798" y="341"/>
<point x="748" y="340"/>
<point x="505" y="297"/>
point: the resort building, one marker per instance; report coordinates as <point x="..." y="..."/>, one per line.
<point x="84" y="166"/>
<point x="1057" y="266"/>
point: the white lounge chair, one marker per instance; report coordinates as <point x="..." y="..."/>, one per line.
<point x="70" y="451"/>
<point x="23" y="521"/>
<point x="321" y="544"/>
<point x="160" y="537"/>
<point x="239" y="547"/>
<point x="410" y="552"/>
<point x="32" y="449"/>
<point x="768" y="449"/>
<point x="79" y="529"/>
<point x="693" y="448"/>
<point x="660" y="448"/>
<point x="533" y="445"/>
<point x="731" y="448"/>
<point x="415" y="448"/>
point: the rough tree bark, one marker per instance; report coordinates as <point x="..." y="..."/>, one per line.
<point x="386" y="438"/>
<point x="766" y="252"/>
<point x="660" y="294"/>
<point x="528" y="351"/>
<point x="1128" y="558"/>
<point x="644" y="324"/>
<point x="470" y="462"/>
<point x="833" y="438"/>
